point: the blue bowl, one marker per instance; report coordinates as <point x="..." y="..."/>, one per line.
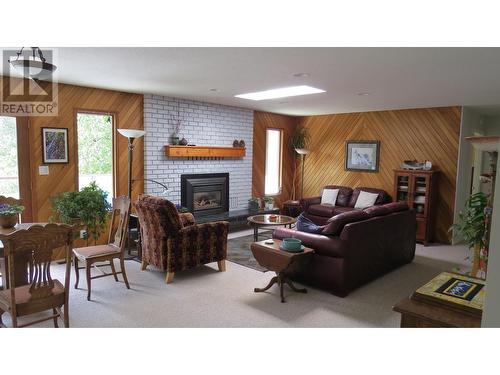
<point x="291" y="244"/>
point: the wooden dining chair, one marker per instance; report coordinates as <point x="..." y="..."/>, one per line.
<point x="114" y="249"/>
<point x="10" y="201"/>
<point x="34" y="247"/>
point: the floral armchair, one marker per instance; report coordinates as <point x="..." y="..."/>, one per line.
<point x="173" y="242"/>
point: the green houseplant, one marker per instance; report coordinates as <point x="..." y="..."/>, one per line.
<point x="88" y="206"/>
<point x="253" y="203"/>
<point x="470" y="226"/>
<point x="299" y="138"/>
<point x="9" y="214"/>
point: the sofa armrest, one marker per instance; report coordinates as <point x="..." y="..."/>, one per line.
<point x="187" y="219"/>
<point x="306" y="202"/>
<point x="325" y="245"/>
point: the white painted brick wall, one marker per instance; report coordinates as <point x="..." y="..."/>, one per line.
<point x="203" y="124"/>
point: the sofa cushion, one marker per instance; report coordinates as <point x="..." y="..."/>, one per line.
<point x="329" y="196"/>
<point x="344" y="195"/>
<point x="379" y="210"/>
<point x="383" y="197"/>
<point x="340" y="210"/>
<point x="397" y="206"/>
<point x="306" y="225"/>
<point x="325" y="210"/>
<point x="335" y="224"/>
<point x="386" y="209"/>
<point x="365" y="199"/>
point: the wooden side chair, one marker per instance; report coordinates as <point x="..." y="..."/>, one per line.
<point x="34" y="247"/>
<point x="10" y="201"/>
<point x="115" y="249"/>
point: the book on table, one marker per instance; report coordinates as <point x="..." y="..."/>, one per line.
<point x="454" y="291"/>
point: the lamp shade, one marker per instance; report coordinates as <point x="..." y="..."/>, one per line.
<point x="131" y="133"/>
<point x="302" y="151"/>
<point x="485" y="143"/>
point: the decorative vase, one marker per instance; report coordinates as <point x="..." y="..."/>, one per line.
<point x="476" y="259"/>
<point x="174" y="139"/>
<point x="183" y="142"/>
<point x="8" y="221"/>
<point x="242" y="143"/>
<point x="236" y="143"/>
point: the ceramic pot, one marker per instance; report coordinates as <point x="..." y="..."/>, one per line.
<point x="183" y="142"/>
<point x="8" y="221"/>
<point x="174" y="140"/>
<point x="242" y="143"/>
<point x="236" y="143"/>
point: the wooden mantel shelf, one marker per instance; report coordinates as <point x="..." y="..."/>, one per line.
<point x="204" y="151"/>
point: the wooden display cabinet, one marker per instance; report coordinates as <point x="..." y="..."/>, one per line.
<point x="418" y="188"/>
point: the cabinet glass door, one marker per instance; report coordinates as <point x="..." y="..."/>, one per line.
<point x="420" y="194"/>
<point x="403" y="188"/>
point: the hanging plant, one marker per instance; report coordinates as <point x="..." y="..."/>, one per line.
<point x="300" y="138"/>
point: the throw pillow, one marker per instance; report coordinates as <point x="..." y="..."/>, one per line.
<point x="335" y="224"/>
<point x="306" y="225"/>
<point x="365" y="199"/>
<point x="329" y="196"/>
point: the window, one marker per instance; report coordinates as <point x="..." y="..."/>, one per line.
<point x="273" y="162"/>
<point x="9" y="169"/>
<point x="95" y="151"/>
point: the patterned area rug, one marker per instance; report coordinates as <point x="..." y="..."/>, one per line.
<point x="238" y="250"/>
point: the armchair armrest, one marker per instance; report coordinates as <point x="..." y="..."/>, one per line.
<point x="187" y="219"/>
<point x="221" y="228"/>
<point x="306" y="202"/>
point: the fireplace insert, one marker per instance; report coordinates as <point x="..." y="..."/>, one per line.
<point x="206" y="193"/>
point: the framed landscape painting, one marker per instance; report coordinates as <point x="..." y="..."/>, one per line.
<point x="55" y="145"/>
<point x="362" y="156"/>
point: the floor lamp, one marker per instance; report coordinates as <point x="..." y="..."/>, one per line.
<point x="302" y="152"/>
<point x="131" y="134"/>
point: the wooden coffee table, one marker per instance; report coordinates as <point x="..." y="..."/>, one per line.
<point x="279" y="261"/>
<point x="268" y="220"/>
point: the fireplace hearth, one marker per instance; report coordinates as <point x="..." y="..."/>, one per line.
<point x="206" y="193"/>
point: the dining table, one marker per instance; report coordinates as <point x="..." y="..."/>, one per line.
<point x="21" y="275"/>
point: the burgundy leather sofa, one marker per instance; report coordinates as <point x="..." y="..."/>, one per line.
<point x="346" y="199"/>
<point x="361" y="246"/>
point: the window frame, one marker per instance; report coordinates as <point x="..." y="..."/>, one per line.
<point x="114" y="126"/>
<point x="280" y="164"/>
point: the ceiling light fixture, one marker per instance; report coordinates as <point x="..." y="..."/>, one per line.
<point x="281" y="93"/>
<point x="34" y="67"/>
<point x="214" y="90"/>
<point x="302" y="75"/>
<point x="362" y="93"/>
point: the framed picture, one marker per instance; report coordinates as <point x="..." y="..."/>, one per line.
<point x="55" y="145"/>
<point x="362" y="156"/>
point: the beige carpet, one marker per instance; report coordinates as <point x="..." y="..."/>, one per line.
<point x="208" y="298"/>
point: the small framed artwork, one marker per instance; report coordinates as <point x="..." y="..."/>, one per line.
<point x="55" y="145"/>
<point x="362" y="156"/>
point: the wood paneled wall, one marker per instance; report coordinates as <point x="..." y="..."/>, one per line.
<point x="127" y="110"/>
<point x="261" y="122"/>
<point x="422" y="134"/>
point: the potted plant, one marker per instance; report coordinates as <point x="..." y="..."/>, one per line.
<point x="269" y="202"/>
<point x="471" y="227"/>
<point x="299" y="139"/>
<point x="9" y="215"/>
<point x="254" y="203"/>
<point x="88" y="206"/>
